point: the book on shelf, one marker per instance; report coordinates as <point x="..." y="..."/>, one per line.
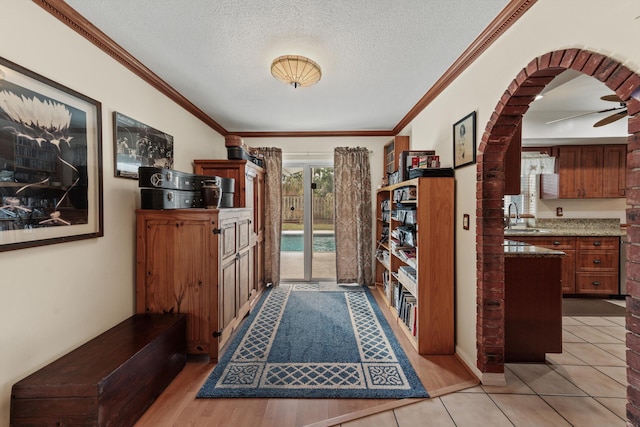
<point x="407" y="255"/>
<point x="407" y="308"/>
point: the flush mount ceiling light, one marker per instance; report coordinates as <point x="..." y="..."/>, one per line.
<point x="296" y="70"/>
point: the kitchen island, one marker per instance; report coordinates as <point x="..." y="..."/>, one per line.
<point x="533" y="302"/>
<point x="593" y="264"/>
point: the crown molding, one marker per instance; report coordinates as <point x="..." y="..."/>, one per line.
<point x="311" y="134"/>
<point x="70" y="17"/>
<point x="82" y="26"/>
<point x="509" y="15"/>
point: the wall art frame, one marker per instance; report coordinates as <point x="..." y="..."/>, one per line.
<point x="137" y="144"/>
<point x="464" y="141"/>
<point x="50" y="161"/>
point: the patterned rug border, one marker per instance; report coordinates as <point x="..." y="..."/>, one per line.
<point x="412" y="388"/>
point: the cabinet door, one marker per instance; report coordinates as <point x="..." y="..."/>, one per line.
<point x="229" y="242"/>
<point x="614" y="171"/>
<point x="590" y="171"/>
<point x="569" y="272"/>
<point x="244" y="278"/>
<point x="568" y="162"/>
<point x="228" y="301"/>
<point x="176" y="272"/>
<point x="259" y="264"/>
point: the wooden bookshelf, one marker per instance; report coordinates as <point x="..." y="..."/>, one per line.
<point x="392" y="151"/>
<point x="430" y="232"/>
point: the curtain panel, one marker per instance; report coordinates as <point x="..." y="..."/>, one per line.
<point x="273" y="212"/>
<point x="353" y="230"/>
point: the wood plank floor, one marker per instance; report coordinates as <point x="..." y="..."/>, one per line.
<point x="177" y="405"/>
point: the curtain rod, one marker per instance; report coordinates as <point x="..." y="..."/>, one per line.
<point x="310" y="152"/>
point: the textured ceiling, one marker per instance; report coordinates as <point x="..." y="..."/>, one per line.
<point x="378" y="57"/>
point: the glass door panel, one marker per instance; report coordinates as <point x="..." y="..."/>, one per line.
<point x="323" y="251"/>
<point x="307" y="240"/>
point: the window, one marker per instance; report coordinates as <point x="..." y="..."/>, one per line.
<point x="526" y="200"/>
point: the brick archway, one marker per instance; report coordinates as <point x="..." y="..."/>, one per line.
<point x="490" y="190"/>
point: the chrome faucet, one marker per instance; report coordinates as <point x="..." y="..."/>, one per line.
<point x="509" y="214"/>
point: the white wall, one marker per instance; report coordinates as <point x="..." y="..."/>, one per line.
<point x="549" y="25"/>
<point x="54" y="298"/>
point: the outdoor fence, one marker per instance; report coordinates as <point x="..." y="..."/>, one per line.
<point x="323" y="209"/>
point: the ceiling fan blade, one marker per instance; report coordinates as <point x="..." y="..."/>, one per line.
<point x="612" y="118"/>
<point x="584" y="114"/>
<point x="612" y="98"/>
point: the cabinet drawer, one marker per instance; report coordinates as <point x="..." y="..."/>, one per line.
<point x="550" y="242"/>
<point x="597" y="261"/>
<point x="597" y="283"/>
<point x="598" y="243"/>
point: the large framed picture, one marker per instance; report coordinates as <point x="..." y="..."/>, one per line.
<point x="137" y="144"/>
<point x="464" y="141"/>
<point x="50" y="161"/>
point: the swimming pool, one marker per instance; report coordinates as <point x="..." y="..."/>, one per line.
<point x="295" y="242"/>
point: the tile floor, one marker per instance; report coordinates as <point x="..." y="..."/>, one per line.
<point x="583" y="386"/>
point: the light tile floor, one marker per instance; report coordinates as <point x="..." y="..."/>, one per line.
<point x="583" y="386"/>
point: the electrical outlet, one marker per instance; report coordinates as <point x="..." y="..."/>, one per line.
<point x="558" y="211"/>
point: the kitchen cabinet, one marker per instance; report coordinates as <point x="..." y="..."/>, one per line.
<point x="414" y="268"/>
<point x="597" y="265"/>
<point x="591" y="264"/>
<point x="586" y="171"/>
<point x="250" y="193"/>
<point x="566" y="244"/>
<point x="196" y="262"/>
<point x="533" y="307"/>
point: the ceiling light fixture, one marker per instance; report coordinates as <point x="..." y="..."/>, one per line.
<point x="296" y="70"/>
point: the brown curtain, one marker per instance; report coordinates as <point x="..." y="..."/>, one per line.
<point x="273" y="212"/>
<point x="352" y="186"/>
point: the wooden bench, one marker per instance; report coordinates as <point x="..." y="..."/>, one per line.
<point x="109" y="381"/>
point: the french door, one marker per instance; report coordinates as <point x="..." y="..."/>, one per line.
<point x="307" y="240"/>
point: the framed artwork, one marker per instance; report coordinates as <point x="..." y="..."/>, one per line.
<point x="50" y="161"/>
<point x="137" y="144"/>
<point x="464" y="141"/>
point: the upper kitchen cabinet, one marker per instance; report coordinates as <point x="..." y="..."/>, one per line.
<point x="586" y="172"/>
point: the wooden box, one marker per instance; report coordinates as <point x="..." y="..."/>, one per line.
<point x="109" y="381"/>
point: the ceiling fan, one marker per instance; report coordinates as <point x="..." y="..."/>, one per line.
<point x="620" y="112"/>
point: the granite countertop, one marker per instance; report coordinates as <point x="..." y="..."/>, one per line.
<point x="521" y="249"/>
<point x="570" y="227"/>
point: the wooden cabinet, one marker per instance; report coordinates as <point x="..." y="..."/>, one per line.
<point x="597" y="265"/>
<point x="591" y="264"/>
<point x="565" y="244"/>
<point x="392" y="151"/>
<point x="586" y="171"/>
<point x="532" y="308"/>
<point x="250" y="193"/>
<point x="194" y="261"/>
<point x="614" y="172"/>
<point x="416" y="217"/>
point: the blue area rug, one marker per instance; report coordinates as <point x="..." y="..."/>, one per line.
<point x="314" y="341"/>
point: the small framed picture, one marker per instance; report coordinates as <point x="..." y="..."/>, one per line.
<point x="464" y="141"/>
<point x="137" y="144"/>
